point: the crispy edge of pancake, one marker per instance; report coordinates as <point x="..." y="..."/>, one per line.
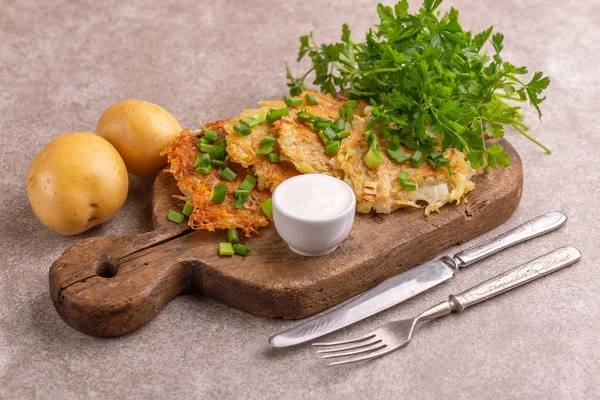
<point x="198" y="188"/>
<point x="301" y="143"/>
<point x="242" y="149"/>
<point x="380" y="190"/>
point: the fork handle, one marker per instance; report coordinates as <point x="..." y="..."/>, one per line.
<point x="530" y="229"/>
<point x="518" y="276"/>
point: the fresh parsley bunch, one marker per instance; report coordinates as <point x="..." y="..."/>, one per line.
<point x="430" y="78"/>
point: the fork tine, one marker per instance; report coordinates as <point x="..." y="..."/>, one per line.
<point x="360" y="350"/>
<point x="370" y="356"/>
<point x="350" y="346"/>
<point x="358" y="339"/>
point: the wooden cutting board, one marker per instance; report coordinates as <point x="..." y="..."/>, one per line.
<point x="109" y="286"/>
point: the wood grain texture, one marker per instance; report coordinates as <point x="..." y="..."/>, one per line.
<point x="109" y="286"/>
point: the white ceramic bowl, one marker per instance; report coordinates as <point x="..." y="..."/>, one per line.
<point x="306" y="234"/>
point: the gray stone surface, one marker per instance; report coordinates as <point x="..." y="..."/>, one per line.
<point x="64" y="62"/>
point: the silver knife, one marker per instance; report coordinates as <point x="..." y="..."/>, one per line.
<point x="412" y="282"/>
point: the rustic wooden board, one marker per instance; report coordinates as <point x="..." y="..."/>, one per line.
<point x="108" y="286"/>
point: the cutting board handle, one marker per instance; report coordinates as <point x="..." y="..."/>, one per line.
<point x="108" y="286"/>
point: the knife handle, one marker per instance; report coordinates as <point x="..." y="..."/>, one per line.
<point x="536" y="227"/>
<point x="518" y="276"/>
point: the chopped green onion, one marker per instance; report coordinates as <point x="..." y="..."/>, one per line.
<point x="249" y="122"/>
<point x="205" y="169"/>
<point x="226" y="249"/>
<point x="227" y="174"/>
<point x="323" y="137"/>
<point x="394" y="142"/>
<point x="416" y="159"/>
<point x="273" y="157"/>
<point x="267" y="207"/>
<point x="310" y="99"/>
<point x="304" y="116"/>
<point x="339" y="125"/>
<point x="346" y="111"/>
<point x="266" y="149"/>
<point x="201" y="160"/>
<point x="373" y="158"/>
<point x="242" y="129"/>
<point x="218" y="163"/>
<point x="175" y="216"/>
<point x="242" y="250"/>
<point x="332" y="147"/>
<point x="408" y="185"/>
<point x="260" y="116"/>
<point x="207" y="148"/>
<point x="273" y="114"/>
<point x="268" y="139"/>
<point x="241" y="193"/>
<point x="232" y="235"/>
<point x="321" y="123"/>
<point x="220" y="152"/>
<point x="187" y="208"/>
<point x="248" y="183"/>
<point x="219" y="193"/>
<point x="329" y="133"/>
<point x="403" y="176"/>
<point x="202" y="140"/>
<point x="293" y="101"/>
<point x="397" y="156"/>
<point x="239" y="203"/>
<point x="210" y="134"/>
<point x="435" y="155"/>
<point x="343" y="134"/>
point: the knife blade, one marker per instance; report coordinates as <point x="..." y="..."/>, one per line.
<point x="416" y="280"/>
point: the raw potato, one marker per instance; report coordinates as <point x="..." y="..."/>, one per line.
<point x="140" y="131"/>
<point x="77" y="181"/>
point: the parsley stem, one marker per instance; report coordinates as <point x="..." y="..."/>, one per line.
<point x="522" y="132"/>
<point x="379" y="70"/>
<point x="501" y="95"/>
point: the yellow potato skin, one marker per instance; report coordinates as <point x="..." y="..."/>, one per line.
<point x="77" y="181"/>
<point x="140" y="131"/>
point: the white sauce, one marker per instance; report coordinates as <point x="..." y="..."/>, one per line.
<point x="314" y="196"/>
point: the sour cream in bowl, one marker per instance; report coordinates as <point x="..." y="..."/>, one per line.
<point x="313" y="213"/>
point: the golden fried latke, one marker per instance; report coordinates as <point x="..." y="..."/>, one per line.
<point x="198" y="188"/>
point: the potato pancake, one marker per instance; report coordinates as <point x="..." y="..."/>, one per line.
<point x="380" y="189"/>
<point x="198" y="188"/>
<point x="242" y="149"/>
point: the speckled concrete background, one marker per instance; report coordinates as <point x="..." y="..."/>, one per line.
<point x="63" y="63"/>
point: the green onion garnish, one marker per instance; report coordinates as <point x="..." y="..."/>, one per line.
<point x="201" y="160"/>
<point x="304" y="116"/>
<point x="226" y="249"/>
<point x="205" y="169"/>
<point x="232" y="234"/>
<point x="397" y="156"/>
<point x="219" y="193"/>
<point x="260" y="116"/>
<point x="408" y="185"/>
<point x="249" y="122"/>
<point x="374" y="156"/>
<point x="175" y="216"/>
<point x="293" y="101"/>
<point x="239" y="203"/>
<point x="267" y="140"/>
<point x="266" y="149"/>
<point x="416" y="159"/>
<point x="207" y="148"/>
<point x="332" y="147"/>
<point x="394" y="142"/>
<point x="329" y="133"/>
<point x="343" y="134"/>
<point x="310" y="99"/>
<point x="219" y="163"/>
<point x="187" y="208"/>
<point x="241" y="193"/>
<point x="273" y="157"/>
<point x="267" y="207"/>
<point x="227" y="174"/>
<point x="220" y="152"/>
<point x="273" y="114"/>
<point x="339" y="125"/>
<point x="323" y="137"/>
<point x="321" y="123"/>
<point x="248" y="183"/>
<point x="403" y="176"/>
<point x="346" y="111"/>
<point x="202" y="140"/>
<point x="210" y="134"/>
<point x="242" y="129"/>
<point x="242" y="250"/>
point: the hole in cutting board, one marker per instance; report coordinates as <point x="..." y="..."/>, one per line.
<point x="107" y="270"/>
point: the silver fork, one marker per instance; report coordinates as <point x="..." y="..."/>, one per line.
<point x="397" y="334"/>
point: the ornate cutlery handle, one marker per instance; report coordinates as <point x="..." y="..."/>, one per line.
<point x="536" y="227"/>
<point x="518" y="276"/>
